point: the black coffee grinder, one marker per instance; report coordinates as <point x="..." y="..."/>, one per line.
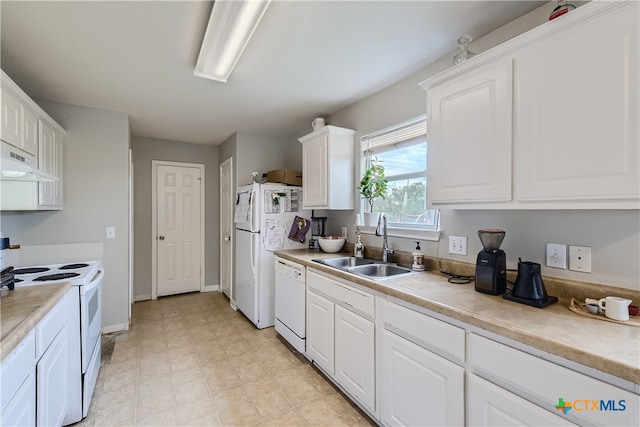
<point x="491" y="265"/>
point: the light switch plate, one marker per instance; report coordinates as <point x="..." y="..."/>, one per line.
<point x="110" y="232"/>
<point x="556" y="255"/>
<point x="580" y="258"/>
<point x="458" y="245"/>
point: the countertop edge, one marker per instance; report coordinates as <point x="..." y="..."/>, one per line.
<point x="50" y="294"/>
<point x="553" y="345"/>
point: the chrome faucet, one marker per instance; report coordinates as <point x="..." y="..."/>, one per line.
<point x="386" y="249"/>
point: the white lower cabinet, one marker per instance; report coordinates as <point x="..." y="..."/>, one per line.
<point x="354" y="355"/>
<point x="320" y="337"/>
<point x="546" y="385"/>
<point x="34" y="377"/>
<point x="420" y="388"/>
<point x="52" y="377"/>
<point x="18" y="385"/>
<point x="490" y="405"/>
<point x="408" y="366"/>
<point x="421" y="384"/>
<point x="340" y="339"/>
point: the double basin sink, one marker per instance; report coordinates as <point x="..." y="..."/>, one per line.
<point x="365" y="267"/>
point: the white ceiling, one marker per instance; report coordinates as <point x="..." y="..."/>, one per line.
<point x="306" y="59"/>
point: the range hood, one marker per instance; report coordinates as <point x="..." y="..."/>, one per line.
<point x="17" y="165"/>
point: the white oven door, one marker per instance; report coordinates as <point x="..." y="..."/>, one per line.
<point x="91" y="317"/>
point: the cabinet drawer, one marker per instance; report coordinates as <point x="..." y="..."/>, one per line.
<point x="343" y="294"/>
<point x="427" y="332"/>
<point x="17" y="367"/>
<point x="545" y="383"/>
<point x="49" y="327"/>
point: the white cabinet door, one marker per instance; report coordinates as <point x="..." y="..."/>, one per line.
<point x="18" y="384"/>
<point x="419" y="387"/>
<point x="354" y="355"/>
<point x="21" y="410"/>
<point x="577" y="112"/>
<point x="50" y="161"/>
<point x="320" y="335"/>
<point x="490" y="405"/>
<point x="469" y="138"/>
<point x="29" y="131"/>
<point x="52" y="377"/>
<point x="11" y="124"/>
<point x="328" y="169"/>
<point x="314" y="172"/>
<point x="19" y="126"/>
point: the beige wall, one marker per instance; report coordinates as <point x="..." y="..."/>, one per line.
<point x="144" y="151"/>
<point x="614" y="236"/>
<point x="96" y="195"/>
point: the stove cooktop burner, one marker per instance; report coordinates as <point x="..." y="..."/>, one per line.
<point x="73" y="266"/>
<point x="58" y="276"/>
<point x="31" y="270"/>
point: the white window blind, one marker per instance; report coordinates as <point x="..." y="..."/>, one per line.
<point x="402" y="133"/>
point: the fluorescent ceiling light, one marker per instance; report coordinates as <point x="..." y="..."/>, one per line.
<point x="230" y="28"/>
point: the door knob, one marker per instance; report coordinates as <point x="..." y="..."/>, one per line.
<point x="160" y="237"/>
<point x="227" y="238"/>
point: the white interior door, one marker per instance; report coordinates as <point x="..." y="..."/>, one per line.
<point x="226" y="228"/>
<point x="178" y="229"/>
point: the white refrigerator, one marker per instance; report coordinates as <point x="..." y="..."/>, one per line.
<point x="265" y="216"/>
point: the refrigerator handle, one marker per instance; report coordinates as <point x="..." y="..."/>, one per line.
<point x="253" y="249"/>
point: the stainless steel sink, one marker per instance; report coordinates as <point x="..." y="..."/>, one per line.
<point x="345" y="262"/>
<point x="364" y="267"/>
<point x="379" y="270"/>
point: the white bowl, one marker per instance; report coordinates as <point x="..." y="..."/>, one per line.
<point x="327" y="244"/>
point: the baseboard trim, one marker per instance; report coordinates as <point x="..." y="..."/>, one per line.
<point x="137" y="298"/>
<point x="210" y="288"/>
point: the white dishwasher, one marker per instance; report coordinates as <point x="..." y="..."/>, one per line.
<point x="290" y="302"/>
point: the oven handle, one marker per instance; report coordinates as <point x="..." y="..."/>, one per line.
<point x="96" y="281"/>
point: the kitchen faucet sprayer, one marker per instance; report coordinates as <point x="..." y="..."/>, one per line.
<point x="386" y="249"/>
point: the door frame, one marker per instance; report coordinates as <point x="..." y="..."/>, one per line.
<point x="228" y="161"/>
<point x="154" y="221"/>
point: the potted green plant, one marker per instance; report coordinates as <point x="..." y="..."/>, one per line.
<point x="373" y="185"/>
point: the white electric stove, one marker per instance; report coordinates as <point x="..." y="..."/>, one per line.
<point x="84" y="344"/>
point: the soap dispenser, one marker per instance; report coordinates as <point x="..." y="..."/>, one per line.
<point x="418" y="262"/>
<point x="358" y="249"/>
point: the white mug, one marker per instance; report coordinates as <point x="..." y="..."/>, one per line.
<point x="318" y="124"/>
<point x="615" y="308"/>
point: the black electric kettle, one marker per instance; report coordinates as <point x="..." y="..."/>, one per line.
<point x="529" y="283"/>
<point x="529" y="288"/>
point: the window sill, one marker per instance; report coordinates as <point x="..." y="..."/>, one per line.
<point x="406" y="233"/>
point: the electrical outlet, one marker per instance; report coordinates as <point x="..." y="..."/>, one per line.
<point x="580" y="258"/>
<point x="458" y="245"/>
<point x="556" y="255"/>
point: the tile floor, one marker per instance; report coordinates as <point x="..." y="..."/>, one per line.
<point x="190" y="360"/>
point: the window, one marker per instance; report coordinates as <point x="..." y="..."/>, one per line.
<point x="402" y="150"/>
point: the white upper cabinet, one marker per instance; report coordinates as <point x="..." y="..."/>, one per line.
<point x="11" y="130"/>
<point x="547" y="120"/>
<point x="29" y="128"/>
<point x="50" y="161"/>
<point x="470" y="129"/>
<point x="577" y="112"/>
<point x="19" y="126"/>
<point x="328" y="168"/>
<point x="29" y="131"/>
